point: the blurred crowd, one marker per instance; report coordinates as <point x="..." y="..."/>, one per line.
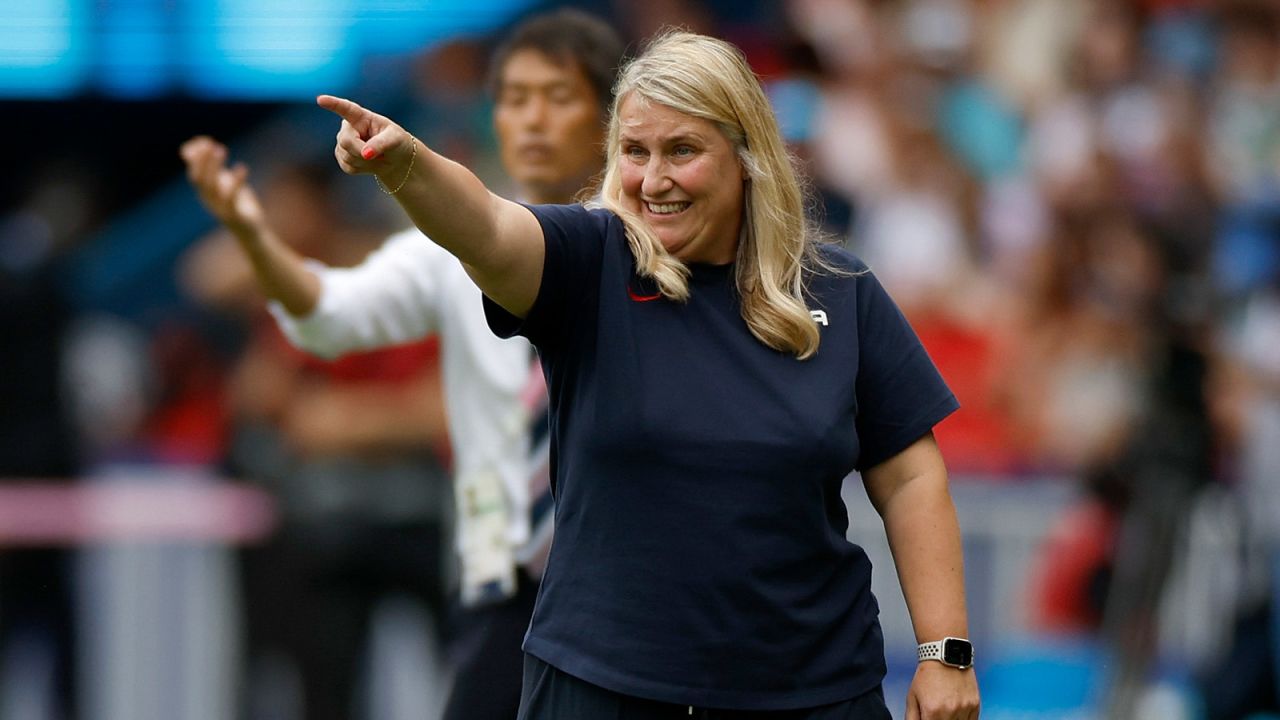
<point x="1076" y="204"/>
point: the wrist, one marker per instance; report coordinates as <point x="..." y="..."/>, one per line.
<point x="950" y="651"/>
<point x="245" y="232"/>
<point x="255" y="239"/>
<point x="391" y="180"/>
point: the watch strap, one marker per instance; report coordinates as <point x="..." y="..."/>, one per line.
<point x="929" y="651"/>
<point x="936" y="650"/>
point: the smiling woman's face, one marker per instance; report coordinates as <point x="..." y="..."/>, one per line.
<point x="681" y="175"/>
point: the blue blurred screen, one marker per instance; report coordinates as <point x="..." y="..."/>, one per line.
<point x="242" y="49"/>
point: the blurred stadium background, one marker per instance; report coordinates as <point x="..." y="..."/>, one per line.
<point x="1076" y="202"/>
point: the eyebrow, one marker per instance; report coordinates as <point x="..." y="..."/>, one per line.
<point x="684" y="137"/>
<point x="533" y="85"/>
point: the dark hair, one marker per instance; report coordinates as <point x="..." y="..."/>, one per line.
<point x="1253" y="18"/>
<point x="566" y="35"/>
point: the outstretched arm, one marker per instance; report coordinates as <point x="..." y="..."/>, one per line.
<point x="498" y="241"/>
<point x="909" y="490"/>
<point x="227" y="195"/>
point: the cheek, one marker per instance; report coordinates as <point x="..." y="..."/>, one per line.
<point x="576" y="122"/>
<point x="502" y="127"/>
<point x="632" y="177"/>
<point x="731" y="204"/>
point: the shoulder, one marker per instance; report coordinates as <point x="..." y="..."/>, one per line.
<point x="576" y="231"/>
<point x="838" y="258"/>
<point x="575" y="218"/>
<point x="840" y="276"/>
<point x="835" y="269"/>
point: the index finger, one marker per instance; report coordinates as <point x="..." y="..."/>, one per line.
<point x="342" y="107"/>
<point x="191" y="149"/>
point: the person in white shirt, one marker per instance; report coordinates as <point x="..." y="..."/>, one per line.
<point x="552" y="80"/>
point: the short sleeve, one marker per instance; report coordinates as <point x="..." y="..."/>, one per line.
<point x="901" y="394"/>
<point x="574" y="238"/>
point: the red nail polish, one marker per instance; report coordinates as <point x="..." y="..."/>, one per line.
<point x="368" y="153"/>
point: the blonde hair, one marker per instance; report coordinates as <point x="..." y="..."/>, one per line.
<point x="710" y="79"/>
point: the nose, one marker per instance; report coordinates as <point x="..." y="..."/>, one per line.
<point x="534" y="113"/>
<point x="656" y="178"/>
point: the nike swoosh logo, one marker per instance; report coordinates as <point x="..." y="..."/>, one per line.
<point x="641" y="298"/>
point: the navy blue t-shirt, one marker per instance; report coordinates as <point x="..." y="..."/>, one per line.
<point x="700" y="553"/>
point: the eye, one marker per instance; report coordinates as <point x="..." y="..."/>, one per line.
<point x="682" y="151"/>
<point x="560" y="95"/>
<point x="512" y="98"/>
<point x="635" y="152"/>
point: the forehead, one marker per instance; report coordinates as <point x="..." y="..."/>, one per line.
<point x="529" y="66"/>
<point x="639" y="116"/>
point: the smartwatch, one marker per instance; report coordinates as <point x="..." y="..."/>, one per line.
<point x="953" y="652"/>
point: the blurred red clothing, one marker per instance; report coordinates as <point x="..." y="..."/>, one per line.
<point x="190" y="421"/>
<point x="978" y="437"/>
<point x="1070" y="578"/>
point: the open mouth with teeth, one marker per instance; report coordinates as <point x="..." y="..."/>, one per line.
<point x="671" y="208"/>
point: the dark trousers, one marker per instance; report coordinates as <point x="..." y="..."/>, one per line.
<point x="550" y="694"/>
<point x="37" y="604"/>
<point x="310" y="592"/>
<point x="487" y="658"/>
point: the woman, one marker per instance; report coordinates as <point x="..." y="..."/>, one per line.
<point x="714" y="375"/>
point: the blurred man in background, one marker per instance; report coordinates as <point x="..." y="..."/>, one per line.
<point x="552" y="80"/>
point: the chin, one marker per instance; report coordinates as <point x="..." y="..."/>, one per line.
<point x="552" y="184"/>
<point x="671" y="245"/>
<point x="529" y="179"/>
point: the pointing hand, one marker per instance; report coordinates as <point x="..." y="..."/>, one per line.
<point x="369" y="143"/>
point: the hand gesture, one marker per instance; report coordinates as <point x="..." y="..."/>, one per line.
<point x="223" y="191"/>
<point x="369" y="143"/>
<point x="939" y="692"/>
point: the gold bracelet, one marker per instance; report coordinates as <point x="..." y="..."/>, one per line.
<point x="406" y="172"/>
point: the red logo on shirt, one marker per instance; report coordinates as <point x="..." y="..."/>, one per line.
<point x="641" y="298"/>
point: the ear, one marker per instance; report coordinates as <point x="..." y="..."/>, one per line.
<point x="742" y="165"/>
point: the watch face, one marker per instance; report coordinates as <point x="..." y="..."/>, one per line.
<point x="957" y="652"/>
